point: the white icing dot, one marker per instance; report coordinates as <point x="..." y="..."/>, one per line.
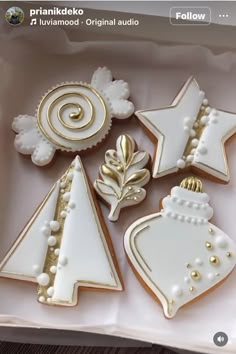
<point x="70" y="176"/>
<point x="180" y="201"/>
<point x="72" y="205"/>
<point x="188" y="204"/>
<point x="210" y="276"/>
<point x="192" y="133"/>
<point x="63" y="260"/>
<point x="36" y="269"/>
<point x="188" y="218"/>
<point x="193" y="151"/>
<point x="186" y="129"/>
<point x="187" y="280"/>
<point x="194" y="221"/>
<point x="177" y="291"/>
<point x="205" y="102"/>
<point x="205" y="221"/>
<point x="196" y="206"/>
<point x="62" y="184"/>
<point x="180" y="163"/>
<point x="201" y="94"/>
<point x="214" y="120"/>
<point x="204" y="120"/>
<point x="204" y="206"/>
<point x="194" y="142"/>
<point x="41" y="299"/>
<point x="57" y="251"/>
<point x="174" y="216"/>
<point x="221" y="241"/>
<point x="52" y="241"/>
<point x="54" y="225"/>
<point x="50" y="291"/>
<point x="180" y="217"/>
<point x="66" y="197"/>
<point x="63" y="214"/>
<point x="196" y="125"/>
<point x="45" y="230"/>
<point x="53" y="269"/>
<point x="202" y="150"/>
<point x="214" y="112"/>
<point x="188" y="121"/>
<point x="43" y="279"/>
<point x="198" y="261"/>
<point x="189" y="158"/>
<point x="168" y="213"/>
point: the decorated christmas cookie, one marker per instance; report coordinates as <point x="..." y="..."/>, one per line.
<point x="72" y="117"/>
<point x="177" y="253"/>
<point x="190" y="134"/>
<point x="123" y="176"/>
<point x="65" y="245"/>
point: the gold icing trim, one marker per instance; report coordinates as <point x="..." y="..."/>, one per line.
<point x="192" y="184"/>
<point x="39" y="118"/>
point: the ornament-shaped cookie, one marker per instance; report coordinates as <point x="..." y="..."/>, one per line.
<point x="65" y="245"/>
<point x="72" y="117"/>
<point x="123" y="176"/>
<point x="178" y="253"/>
<point x="190" y="135"/>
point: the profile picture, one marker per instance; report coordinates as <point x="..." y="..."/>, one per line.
<point x="14" y="15"/>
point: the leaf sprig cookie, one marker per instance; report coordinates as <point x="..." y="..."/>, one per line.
<point x="123" y="176"/>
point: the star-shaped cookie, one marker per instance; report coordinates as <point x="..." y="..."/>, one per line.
<point x="190" y="134"/>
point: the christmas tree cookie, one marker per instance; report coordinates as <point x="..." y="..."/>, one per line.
<point x="177" y="253"/>
<point x="65" y="245"/>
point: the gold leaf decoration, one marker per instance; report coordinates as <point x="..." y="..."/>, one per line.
<point x="138" y="177"/>
<point x="127" y="148"/>
<point x="123" y="176"/>
<point x="108" y="172"/>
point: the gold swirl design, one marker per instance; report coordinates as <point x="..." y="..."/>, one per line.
<point x="81" y="121"/>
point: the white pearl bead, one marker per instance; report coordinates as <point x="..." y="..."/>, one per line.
<point x="70" y="176"/>
<point x="53" y="269"/>
<point x="194" y="142"/>
<point x="204" y="120"/>
<point x="71" y="205"/>
<point x="41" y="299"/>
<point x="62" y="184"/>
<point x="202" y="150"/>
<point x="202" y="94"/>
<point x="177" y="291"/>
<point x="221" y="241"/>
<point x="50" y="291"/>
<point x="43" y="279"/>
<point x="36" y="269"/>
<point x="189" y="158"/>
<point x="66" y="197"/>
<point x="198" y="261"/>
<point x="63" y="214"/>
<point x="205" y="102"/>
<point x="180" y="163"/>
<point x="54" y="225"/>
<point x="196" y="125"/>
<point x="45" y="230"/>
<point x="210" y="276"/>
<point x="63" y="260"/>
<point x="186" y="129"/>
<point x="57" y="251"/>
<point x="208" y="109"/>
<point x="192" y="133"/>
<point x="187" y="280"/>
<point x="187" y="121"/>
<point x="52" y="241"/>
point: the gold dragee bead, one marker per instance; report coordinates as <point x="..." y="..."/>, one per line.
<point x="208" y="245"/>
<point x="214" y="260"/>
<point x="195" y="275"/>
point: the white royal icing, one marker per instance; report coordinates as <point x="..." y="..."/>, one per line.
<point x="165" y="251"/>
<point x="179" y="120"/>
<point x="84" y="257"/>
<point x="124" y="193"/>
<point x="72" y="117"/>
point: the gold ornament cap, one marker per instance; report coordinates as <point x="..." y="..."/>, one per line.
<point x="192" y="184"/>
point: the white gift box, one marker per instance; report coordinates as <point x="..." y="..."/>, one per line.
<point x="156" y="59"/>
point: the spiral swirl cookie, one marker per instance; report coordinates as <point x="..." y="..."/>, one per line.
<point x="72" y="117"/>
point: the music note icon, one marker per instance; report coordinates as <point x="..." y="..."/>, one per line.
<point x="33" y="22"/>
